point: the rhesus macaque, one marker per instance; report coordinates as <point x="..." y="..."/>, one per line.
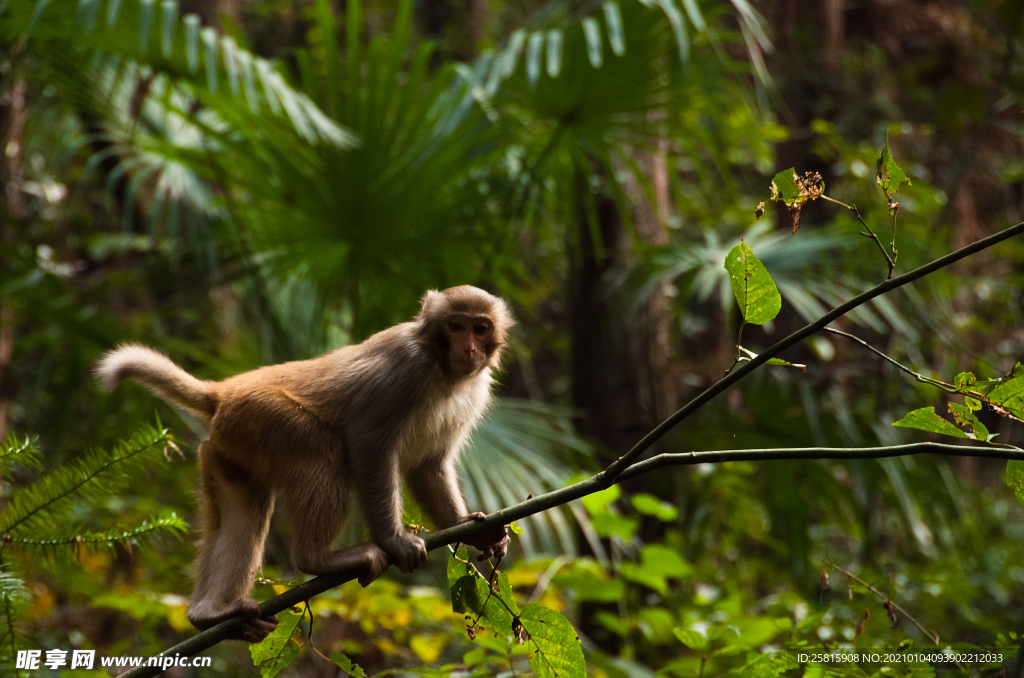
<point x="403" y="402"/>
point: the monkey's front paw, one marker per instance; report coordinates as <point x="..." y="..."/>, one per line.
<point x="406" y="550"/>
<point x="492" y="542"/>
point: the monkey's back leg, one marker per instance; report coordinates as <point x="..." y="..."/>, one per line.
<point x="318" y="506"/>
<point x="236" y="510"/>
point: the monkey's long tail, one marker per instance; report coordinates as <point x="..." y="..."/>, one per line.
<point x="156" y="372"/>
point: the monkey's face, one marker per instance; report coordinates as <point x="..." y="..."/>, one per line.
<point x="470" y="342"/>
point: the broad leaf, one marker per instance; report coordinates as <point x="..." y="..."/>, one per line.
<point x="1009" y="394"/>
<point x="894" y="176"/>
<point x="1015" y="478"/>
<point x="472" y="595"/>
<point x="347" y="665"/>
<point x="925" y="419"/>
<point x="278" y="649"/>
<point x="754" y="288"/>
<point x="691" y="639"/>
<point x="650" y="505"/>
<point x="557" y="648"/>
<point x="964" y="416"/>
<point x="784" y="186"/>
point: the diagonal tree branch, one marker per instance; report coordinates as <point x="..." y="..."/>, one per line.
<point x="613" y="471"/>
<point x="624" y="466"/>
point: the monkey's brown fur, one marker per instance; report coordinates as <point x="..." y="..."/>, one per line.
<point x="403" y="402"/>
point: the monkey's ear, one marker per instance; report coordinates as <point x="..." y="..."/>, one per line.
<point x="433" y="303"/>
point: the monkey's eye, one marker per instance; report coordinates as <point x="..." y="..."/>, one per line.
<point x="456" y="326"/>
<point x="480" y="329"/>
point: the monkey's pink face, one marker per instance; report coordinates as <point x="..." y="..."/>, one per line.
<point x="468" y="339"/>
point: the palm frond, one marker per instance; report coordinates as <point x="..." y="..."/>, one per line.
<point x="66" y="26"/>
<point x="523" y="448"/>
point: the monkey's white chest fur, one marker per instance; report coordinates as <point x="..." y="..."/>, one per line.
<point x="443" y="424"/>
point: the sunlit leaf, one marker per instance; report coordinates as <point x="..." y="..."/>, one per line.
<point x="691" y="639"/>
<point x="650" y="505"/>
<point x="890" y="175"/>
<point x="925" y="419"/>
<point x="755" y="291"/>
<point x="557" y="650"/>
<point x="1015" y="478"/>
<point x="342" y="661"/>
<point x="278" y="649"/>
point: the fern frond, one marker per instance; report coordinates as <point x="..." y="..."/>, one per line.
<point x="96" y="474"/>
<point x="23" y="452"/>
<point x="63" y="542"/>
<point x="14" y="600"/>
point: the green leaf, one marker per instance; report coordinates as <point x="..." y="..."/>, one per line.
<point x="557" y="647"/>
<point x="610" y="524"/>
<point x="649" y="505"/>
<point x="964" y="416"/>
<point x="755" y="291"/>
<point x="964" y="381"/>
<point x="637" y="574"/>
<point x="664" y="561"/>
<point x="925" y="419"/>
<point x="472" y="594"/>
<point x="894" y="176"/>
<point x="786" y="363"/>
<point x="1009" y="394"/>
<point x="598" y="502"/>
<point x="691" y="639"/>
<point x="784" y="185"/>
<point x="347" y="665"/>
<point x="279" y="649"/>
<point x="1015" y="478"/>
<point x="514" y="528"/>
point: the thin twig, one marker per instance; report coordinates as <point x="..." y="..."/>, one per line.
<point x="870" y="234"/>
<point x="949" y="388"/>
<point x="932" y="636"/>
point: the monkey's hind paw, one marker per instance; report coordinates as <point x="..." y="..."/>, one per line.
<point x="254" y="630"/>
<point x="407" y="551"/>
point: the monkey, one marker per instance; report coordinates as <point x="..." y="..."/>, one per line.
<point x="400" y="404"/>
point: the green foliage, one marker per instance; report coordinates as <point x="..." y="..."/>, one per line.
<point x="889" y="174"/>
<point x="126" y="32"/>
<point x="784" y="184"/>
<point x="279" y="649"/>
<point x="755" y="291"/>
<point x="36" y="516"/>
<point x="1014" y="475"/>
<point x="557" y="649"/>
<point x="553" y="645"/>
<point x="926" y="419"/>
<point x="347" y="665"/>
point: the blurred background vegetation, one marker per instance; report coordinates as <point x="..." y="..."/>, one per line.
<point x="243" y="182"/>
